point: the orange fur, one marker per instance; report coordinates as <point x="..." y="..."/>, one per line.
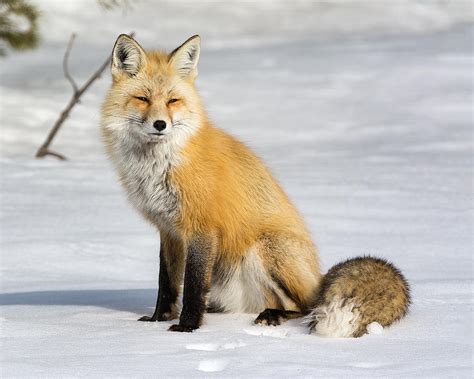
<point x="225" y="188"/>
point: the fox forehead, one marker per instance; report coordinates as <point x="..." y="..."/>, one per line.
<point x="158" y="78"/>
<point x="157" y="62"/>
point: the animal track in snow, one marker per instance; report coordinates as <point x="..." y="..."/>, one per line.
<point x="214" y="346"/>
<point x="203" y="346"/>
<point x="268" y="331"/>
<point x="212" y="365"/>
<point x="233" y="345"/>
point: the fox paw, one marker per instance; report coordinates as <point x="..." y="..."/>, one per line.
<point x="163" y="317"/>
<point x="181" y="328"/>
<point x="271" y="317"/>
<point x="148" y="318"/>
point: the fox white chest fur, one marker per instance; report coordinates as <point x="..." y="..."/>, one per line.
<point x="145" y="174"/>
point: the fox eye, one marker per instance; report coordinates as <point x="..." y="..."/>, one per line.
<point x="142" y="98"/>
<point x="171" y="101"/>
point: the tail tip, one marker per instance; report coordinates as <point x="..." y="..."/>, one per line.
<point x="374" y="328"/>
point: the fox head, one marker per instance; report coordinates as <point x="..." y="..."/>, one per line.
<point x="152" y="99"/>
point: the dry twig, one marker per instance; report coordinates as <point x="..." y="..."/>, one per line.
<point x="65" y="64"/>
<point x="77" y="93"/>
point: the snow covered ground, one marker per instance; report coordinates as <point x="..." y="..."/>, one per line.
<point x="363" y="110"/>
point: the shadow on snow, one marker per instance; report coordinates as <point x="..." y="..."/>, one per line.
<point x="128" y="300"/>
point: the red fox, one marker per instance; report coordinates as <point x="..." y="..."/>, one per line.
<point x="227" y="228"/>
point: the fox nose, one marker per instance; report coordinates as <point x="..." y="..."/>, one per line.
<point x="159" y="125"/>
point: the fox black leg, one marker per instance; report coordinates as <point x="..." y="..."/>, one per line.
<point x="276" y="316"/>
<point x="167" y="295"/>
<point x="197" y="277"/>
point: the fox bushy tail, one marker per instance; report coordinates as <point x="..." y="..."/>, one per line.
<point x="357" y="292"/>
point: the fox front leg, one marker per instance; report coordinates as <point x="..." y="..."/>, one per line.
<point x="169" y="280"/>
<point x="197" y="279"/>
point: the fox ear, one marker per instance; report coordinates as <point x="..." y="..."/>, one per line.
<point x="127" y="57"/>
<point x="185" y="57"/>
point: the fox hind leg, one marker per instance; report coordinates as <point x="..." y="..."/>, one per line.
<point x="294" y="276"/>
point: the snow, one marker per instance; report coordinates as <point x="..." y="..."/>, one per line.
<point x="363" y="110"/>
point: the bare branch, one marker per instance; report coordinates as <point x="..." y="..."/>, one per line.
<point x="65" y="64"/>
<point x="44" y="148"/>
<point x="42" y="153"/>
